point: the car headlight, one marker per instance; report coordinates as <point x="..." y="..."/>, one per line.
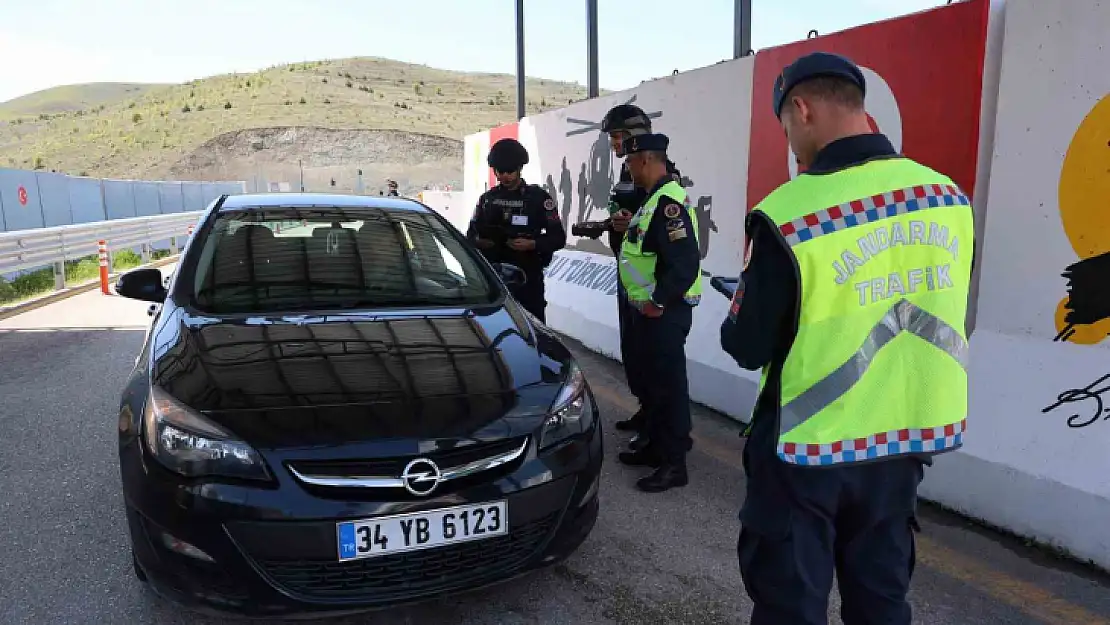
<point x="572" y="411"/>
<point x="191" y="445"/>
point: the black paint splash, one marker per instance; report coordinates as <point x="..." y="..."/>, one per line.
<point x="1088" y="294"/>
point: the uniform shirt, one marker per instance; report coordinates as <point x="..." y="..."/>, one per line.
<point x="628" y="196"/>
<point x="759" y="333"/>
<point x="673" y="239"/>
<point x="525" y="212"/>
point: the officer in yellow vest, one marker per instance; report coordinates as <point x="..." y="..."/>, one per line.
<point x="660" y="272"/>
<point x="852" y="303"/>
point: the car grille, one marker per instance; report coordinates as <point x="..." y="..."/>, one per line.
<point x="394" y="466"/>
<point x="413" y="574"/>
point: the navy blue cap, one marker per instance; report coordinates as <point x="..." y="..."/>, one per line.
<point x="655" y="142"/>
<point x="814" y="65"/>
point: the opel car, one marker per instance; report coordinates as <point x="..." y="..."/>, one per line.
<point x="340" y="407"/>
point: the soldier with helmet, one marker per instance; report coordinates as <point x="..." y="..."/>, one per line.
<point x="518" y="223"/>
<point x="620" y="123"/>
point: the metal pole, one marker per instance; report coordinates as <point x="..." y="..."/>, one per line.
<point x="742" y="28"/>
<point x="520" y="102"/>
<point x="592" y="89"/>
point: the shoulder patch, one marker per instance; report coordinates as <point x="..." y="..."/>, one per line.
<point x="672" y="211"/>
<point x="549" y="204"/>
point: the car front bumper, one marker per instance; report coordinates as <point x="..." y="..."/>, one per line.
<point x="273" y="553"/>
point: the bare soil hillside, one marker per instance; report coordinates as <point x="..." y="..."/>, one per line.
<point x="272" y="155"/>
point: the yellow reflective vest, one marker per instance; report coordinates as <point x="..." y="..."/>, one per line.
<point x="878" y="367"/>
<point x="637" y="267"/>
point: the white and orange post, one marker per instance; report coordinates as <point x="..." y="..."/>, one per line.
<point x="104" y="267"/>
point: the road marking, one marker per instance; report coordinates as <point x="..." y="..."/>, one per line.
<point x="1024" y="596"/>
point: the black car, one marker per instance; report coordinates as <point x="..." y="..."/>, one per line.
<point x="339" y="407"/>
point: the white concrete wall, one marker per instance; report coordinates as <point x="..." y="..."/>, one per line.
<point x="451" y="205"/>
<point x="1004" y="100"/>
<point x="1023" y="466"/>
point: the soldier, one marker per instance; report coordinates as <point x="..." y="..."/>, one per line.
<point x="660" y="270"/>
<point x="837" y="447"/>
<point x="620" y="123"/>
<point x="518" y="223"/>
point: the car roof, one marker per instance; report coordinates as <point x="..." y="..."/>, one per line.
<point x="248" y="201"/>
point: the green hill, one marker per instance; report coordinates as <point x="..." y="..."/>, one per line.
<point x="67" y="98"/>
<point x="148" y="131"/>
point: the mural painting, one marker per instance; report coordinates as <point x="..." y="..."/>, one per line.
<point x="583" y="183"/>
<point x="1083" y="316"/>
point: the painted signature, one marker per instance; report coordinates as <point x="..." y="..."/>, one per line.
<point x="1092" y="392"/>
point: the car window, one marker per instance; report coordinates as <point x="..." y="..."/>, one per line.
<point x="257" y="261"/>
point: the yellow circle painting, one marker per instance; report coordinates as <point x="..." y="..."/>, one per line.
<point x="1084" y="316"/>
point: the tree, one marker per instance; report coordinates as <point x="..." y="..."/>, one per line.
<point x="136" y="118"/>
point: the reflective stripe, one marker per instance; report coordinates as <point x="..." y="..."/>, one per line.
<point x="637" y="277"/>
<point x="924" y="441"/>
<point x="867" y="210"/>
<point x="902" y="317"/>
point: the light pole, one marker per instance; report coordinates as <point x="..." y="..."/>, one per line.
<point x="592" y="87"/>
<point x="520" y="108"/>
<point x="741" y="28"/>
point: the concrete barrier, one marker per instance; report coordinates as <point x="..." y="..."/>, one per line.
<point x="1035" y="460"/>
<point x="998" y="95"/>
<point x="451" y="205"/>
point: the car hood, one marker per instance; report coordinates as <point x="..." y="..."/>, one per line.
<point x="324" y="380"/>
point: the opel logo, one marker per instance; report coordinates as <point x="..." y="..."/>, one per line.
<point x="421" y="476"/>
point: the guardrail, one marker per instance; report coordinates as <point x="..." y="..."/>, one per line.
<point x="42" y="247"/>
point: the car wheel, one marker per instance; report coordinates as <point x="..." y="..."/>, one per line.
<point x="138" y="569"/>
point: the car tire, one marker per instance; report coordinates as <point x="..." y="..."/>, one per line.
<point x="138" y="569"/>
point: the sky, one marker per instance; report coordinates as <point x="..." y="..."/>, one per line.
<point x="44" y="43"/>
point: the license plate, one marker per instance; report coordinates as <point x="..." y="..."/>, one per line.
<point x="421" y="530"/>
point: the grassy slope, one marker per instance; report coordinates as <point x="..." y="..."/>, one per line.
<point x="70" y="98"/>
<point x="143" y="135"/>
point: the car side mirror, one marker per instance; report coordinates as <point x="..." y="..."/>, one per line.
<point x="511" y="275"/>
<point x="142" y="284"/>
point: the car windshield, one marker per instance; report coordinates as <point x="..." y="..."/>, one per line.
<point x="261" y="261"/>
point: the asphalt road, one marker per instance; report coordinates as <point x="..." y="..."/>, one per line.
<point x="652" y="559"/>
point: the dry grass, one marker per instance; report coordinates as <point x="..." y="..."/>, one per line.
<point x="68" y="98"/>
<point x="145" y="131"/>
